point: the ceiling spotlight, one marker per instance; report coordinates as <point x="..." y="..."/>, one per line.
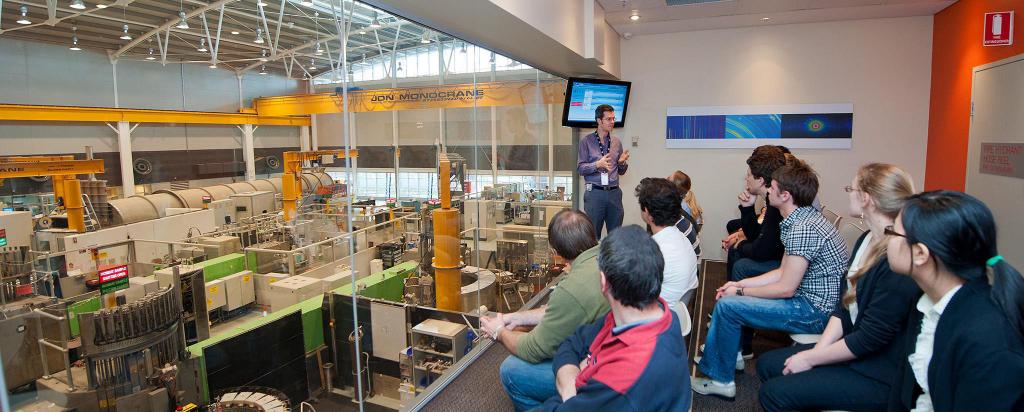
<point x="77" y="5"/>
<point x="259" y="36"/>
<point x="307" y="3"/>
<point x="635" y="16"/>
<point x="101" y="6"/>
<point x="202" y="45"/>
<point x="375" y="23"/>
<point x="212" y="65"/>
<point x="263" y="55"/>
<point x="319" y="50"/>
<point x="124" y="33"/>
<point x="182" y="23"/>
<point x="261" y="3"/>
<point x="150" y="57"/>
<point x="463" y="49"/>
<point x="74" y="39"/>
<point x="399" y="67"/>
<point x="426" y="38"/>
<point x="263" y="69"/>
<point x="766" y="18"/>
<point x="312" y="64"/>
<point x="361" y="31"/>
<point x="24" y="16"/>
<point x="234" y="32"/>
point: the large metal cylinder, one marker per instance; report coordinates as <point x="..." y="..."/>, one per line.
<point x="162" y="201"/>
<point x="132" y="210"/>
<point x="447" y="259"/>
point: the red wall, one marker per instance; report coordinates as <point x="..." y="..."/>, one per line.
<point x="956" y="50"/>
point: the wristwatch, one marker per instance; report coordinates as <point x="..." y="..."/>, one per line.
<point x="739" y="291"/>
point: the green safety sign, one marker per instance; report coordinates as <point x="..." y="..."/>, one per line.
<point x="113" y="279"/>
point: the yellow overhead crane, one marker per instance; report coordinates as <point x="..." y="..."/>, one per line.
<point x="66" y="187"/>
<point x="291" y="186"/>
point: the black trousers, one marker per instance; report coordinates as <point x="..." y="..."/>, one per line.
<point x="824" y="387"/>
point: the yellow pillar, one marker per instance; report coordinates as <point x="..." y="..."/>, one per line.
<point x="447" y="259"/>
<point x="73" y="204"/>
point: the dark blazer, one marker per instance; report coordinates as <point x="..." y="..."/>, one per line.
<point x="763" y="239"/>
<point x="978" y="359"/>
<point x="884" y="299"/>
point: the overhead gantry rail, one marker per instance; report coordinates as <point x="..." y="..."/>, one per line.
<point x="30" y="113"/>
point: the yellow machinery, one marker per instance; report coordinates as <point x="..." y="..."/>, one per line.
<point x="291" y="186"/>
<point x="66" y="187"/>
<point x="447" y="259"/>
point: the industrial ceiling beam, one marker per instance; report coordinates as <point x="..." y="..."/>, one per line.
<point x="167" y="25"/>
<point x="13" y="112"/>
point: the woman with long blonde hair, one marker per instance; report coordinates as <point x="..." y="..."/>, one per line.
<point x="857" y="357"/>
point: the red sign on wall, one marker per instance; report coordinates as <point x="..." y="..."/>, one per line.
<point x="113" y="279"/>
<point x="998" y="29"/>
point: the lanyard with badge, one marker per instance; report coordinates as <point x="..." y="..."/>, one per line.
<point x="604" y="151"/>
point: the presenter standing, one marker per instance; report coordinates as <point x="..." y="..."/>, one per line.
<point x="601" y="161"/>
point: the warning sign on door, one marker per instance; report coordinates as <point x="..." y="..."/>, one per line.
<point x="1004" y="159"/>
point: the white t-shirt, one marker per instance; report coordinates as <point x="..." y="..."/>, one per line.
<point x="680" y="263"/>
<point x="858" y="261"/>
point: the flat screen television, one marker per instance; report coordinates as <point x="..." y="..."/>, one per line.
<point x="582" y="96"/>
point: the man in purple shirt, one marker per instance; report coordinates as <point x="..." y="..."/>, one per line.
<point x="601" y="161"/>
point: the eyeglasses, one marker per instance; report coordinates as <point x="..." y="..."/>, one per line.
<point x="890" y="232"/>
<point x="849" y="189"/>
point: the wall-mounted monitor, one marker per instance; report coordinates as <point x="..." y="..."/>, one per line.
<point x="582" y="96"/>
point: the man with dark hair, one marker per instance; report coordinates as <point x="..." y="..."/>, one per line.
<point x="601" y="161"/>
<point x="576" y="300"/>
<point x="756" y="248"/>
<point x="660" y="207"/>
<point x="634" y="357"/>
<point x="798" y="297"/>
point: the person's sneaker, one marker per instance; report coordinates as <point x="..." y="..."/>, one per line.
<point x="747" y="355"/>
<point x="740" y="359"/>
<point x="705" y="386"/>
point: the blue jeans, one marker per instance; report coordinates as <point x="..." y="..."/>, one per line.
<point x="742" y="268"/>
<point x="604" y="207"/>
<point x="527" y="384"/>
<point x="793" y="315"/>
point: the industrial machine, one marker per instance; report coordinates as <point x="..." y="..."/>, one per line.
<point x="66" y="187"/>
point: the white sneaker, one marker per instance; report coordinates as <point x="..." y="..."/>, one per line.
<point x="705" y="386"/>
<point x="740" y="359"/>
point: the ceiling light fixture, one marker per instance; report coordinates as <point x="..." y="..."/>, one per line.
<point x="263" y="55"/>
<point x="212" y="65"/>
<point x="319" y="50"/>
<point x="202" y="45"/>
<point x="361" y="31"/>
<point x="463" y="49"/>
<point x="399" y="67"/>
<point x="635" y="16"/>
<point x="77" y="5"/>
<point x="307" y="3"/>
<point x="766" y="18"/>
<point x="312" y="64"/>
<point x="101" y="6"/>
<point x="24" y="16"/>
<point x="74" y="39"/>
<point x="259" y="36"/>
<point x="182" y="23"/>
<point x="150" y="57"/>
<point x="426" y="38"/>
<point x="261" y="3"/>
<point x="375" y="23"/>
<point x="263" y="69"/>
<point x="234" y="32"/>
<point x="124" y="33"/>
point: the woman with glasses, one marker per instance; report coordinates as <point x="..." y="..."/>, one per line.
<point x="963" y="349"/>
<point x="852" y="364"/>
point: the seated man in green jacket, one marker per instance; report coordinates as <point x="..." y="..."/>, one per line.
<point x="576" y="301"/>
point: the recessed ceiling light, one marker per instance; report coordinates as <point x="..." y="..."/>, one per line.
<point x="24" y="16"/>
<point x="77" y="5"/>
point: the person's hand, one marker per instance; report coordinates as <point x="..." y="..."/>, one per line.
<point x="728" y="289"/>
<point x="733" y="239"/>
<point x="797" y="363"/>
<point x="746" y="199"/>
<point x="624" y="157"/>
<point x="492" y="325"/>
<point x="604" y="163"/>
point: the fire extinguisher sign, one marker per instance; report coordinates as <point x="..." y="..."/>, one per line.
<point x="998" y="29"/>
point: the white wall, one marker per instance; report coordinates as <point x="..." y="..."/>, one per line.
<point x="45" y="74"/>
<point x="881" y="66"/>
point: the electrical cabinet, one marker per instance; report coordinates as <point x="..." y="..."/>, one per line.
<point x="240" y="290"/>
<point x="436" y="346"/>
<point x="250" y="204"/>
<point x="216" y="297"/>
